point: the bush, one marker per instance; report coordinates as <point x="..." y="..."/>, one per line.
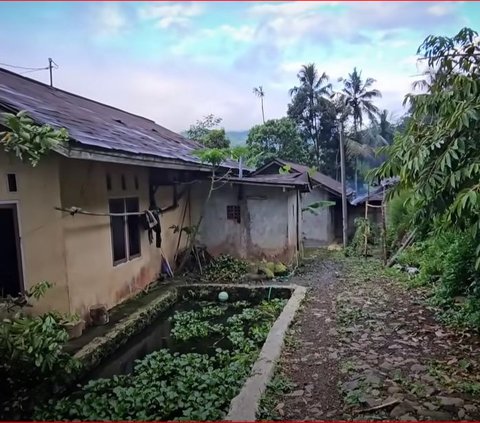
<point x="399" y="217"/>
<point x="225" y="269"/>
<point x="447" y="262"/>
<point x="32" y="358"/>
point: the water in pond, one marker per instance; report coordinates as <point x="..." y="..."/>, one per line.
<point x="157" y="336"/>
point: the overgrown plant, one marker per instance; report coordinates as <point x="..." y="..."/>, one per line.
<point x="437" y="158"/>
<point x="32" y="357"/>
<point x="26" y="140"/>
<point x="171" y="386"/>
<point x="225" y="268"/>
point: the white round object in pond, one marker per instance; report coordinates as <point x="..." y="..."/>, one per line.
<point x="223" y="296"/>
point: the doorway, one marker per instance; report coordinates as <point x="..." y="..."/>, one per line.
<point x="11" y="277"/>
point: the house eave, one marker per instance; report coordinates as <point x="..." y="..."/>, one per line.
<point x="115" y="156"/>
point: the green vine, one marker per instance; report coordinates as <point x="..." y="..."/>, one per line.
<point x="27" y="140"/>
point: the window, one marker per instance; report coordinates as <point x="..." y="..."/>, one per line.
<point x="136" y="182"/>
<point x="124" y="182"/>
<point x="125" y="229"/>
<point x="12" y="182"/>
<point x="109" y="182"/>
<point x="233" y="213"/>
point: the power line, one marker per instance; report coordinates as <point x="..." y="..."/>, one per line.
<point x="21" y="67"/>
<point x="34" y="70"/>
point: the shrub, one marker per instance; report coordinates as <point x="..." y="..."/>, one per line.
<point x="225" y="269"/>
<point x="31" y="356"/>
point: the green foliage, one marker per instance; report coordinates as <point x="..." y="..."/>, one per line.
<point x="31" y="354"/>
<point x="216" y="138"/>
<point x="276" y="388"/>
<point x="315" y="116"/>
<point x="363" y="228"/>
<point x="212" y="156"/>
<point x="196" y="324"/>
<point x="399" y="218"/>
<point x="277" y="138"/>
<point x="26" y="140"/>
<point x="166" y="386"/>
<point x="225" y="268"/>
<point x="317" y="206"/>
<point x="437" y="158"/>
<point x="205" y="133"/>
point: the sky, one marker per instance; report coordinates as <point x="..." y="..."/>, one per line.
<point x="175" y="62"/>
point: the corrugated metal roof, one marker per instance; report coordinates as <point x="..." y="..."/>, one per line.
<point x="93" y="124"/>
<point x="317" y="177"/>
<point x="301" y="182"/>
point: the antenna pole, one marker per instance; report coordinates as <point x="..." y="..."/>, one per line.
<point x="50" y="61"/>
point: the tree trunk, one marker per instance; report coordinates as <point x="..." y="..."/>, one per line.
<point x="263" y="112"/>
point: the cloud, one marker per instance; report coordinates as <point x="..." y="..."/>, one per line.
<point x="111" y="20"/>
<point x="242" y="33"/>
<point x="171" y="15"/>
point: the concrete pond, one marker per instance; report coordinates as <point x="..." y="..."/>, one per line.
<point x="145" y="326"/>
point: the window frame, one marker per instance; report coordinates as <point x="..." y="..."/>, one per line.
<point x="126" y="231"/>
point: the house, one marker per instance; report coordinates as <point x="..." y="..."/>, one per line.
<point x="256" y="217"/>
<point x="325" y="226"/>
<point x="77" y="218"/>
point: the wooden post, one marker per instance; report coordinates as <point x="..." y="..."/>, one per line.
<point x="344" y="188"/>
<point x="366" y="231"/>
<point x="384" y="229"/>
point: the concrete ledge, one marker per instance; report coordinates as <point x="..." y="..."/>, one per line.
<point x="245" y="405"/>
<point x="93" y="352"/>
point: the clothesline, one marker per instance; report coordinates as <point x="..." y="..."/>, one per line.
<point x="77" y="210"/>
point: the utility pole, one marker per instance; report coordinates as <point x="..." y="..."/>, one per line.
<point x="344" y="186"/>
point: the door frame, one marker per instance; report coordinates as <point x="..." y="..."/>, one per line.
<point x="13" y="205"/>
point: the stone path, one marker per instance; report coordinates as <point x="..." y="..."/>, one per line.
<point x="365" y="348"/>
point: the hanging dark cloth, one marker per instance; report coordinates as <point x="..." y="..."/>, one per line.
<point x="152" y="225"/>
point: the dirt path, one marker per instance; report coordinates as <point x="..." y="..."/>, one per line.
<point x="363" y="347"/>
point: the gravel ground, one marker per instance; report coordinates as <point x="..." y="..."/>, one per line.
<point x="363" y="347"/>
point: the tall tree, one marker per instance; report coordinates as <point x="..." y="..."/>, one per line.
<point x="359" y="97"/>
<point x="261" y="94"/>
<point x="310" y="105"/>
<point x="437" y="157"/>
<point x="277" y="138"/>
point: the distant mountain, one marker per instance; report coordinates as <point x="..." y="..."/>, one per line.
<point x="237" y="137"/>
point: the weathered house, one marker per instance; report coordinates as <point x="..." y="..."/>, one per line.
<point x="256" y="217"/>
<point x="325" y="226"/>
<point x="114" y="162"/>
<point x="76" y="218"/>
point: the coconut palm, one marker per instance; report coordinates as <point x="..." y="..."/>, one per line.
<point x="260" y="93"/>
<point x="359" y="97"/>
<point x="309" y="97"/>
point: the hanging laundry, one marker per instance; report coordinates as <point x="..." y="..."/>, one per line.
<point x="152" y="225"/>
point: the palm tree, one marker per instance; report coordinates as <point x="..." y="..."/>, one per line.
<point x="359" y="96"/>
<point x="315" y="87"/>
<point x="260" y="93"/>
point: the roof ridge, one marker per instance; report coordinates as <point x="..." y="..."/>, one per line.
<point x="76" y="95"/>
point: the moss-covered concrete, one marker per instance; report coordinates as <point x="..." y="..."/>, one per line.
<point x="102" y="346"/>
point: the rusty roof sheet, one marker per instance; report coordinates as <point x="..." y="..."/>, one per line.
<point x="301" y="182"/>
<point x="93" y="124"/>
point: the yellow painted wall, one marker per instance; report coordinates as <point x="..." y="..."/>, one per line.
<point x="92" y="277"/>
<point x="41" y="227"/>
<point x="75" y="252"/>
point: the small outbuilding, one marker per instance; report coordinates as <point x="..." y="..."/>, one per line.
<point x="256" y="217"/>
